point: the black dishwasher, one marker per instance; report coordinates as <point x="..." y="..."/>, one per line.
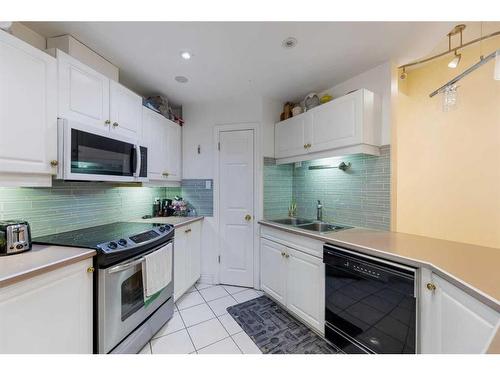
<point x="370" y="303"/>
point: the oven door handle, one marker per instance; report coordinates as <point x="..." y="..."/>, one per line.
<point x="125" y="266"/>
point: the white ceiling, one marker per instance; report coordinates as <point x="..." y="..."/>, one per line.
<point x="237" y="59"/>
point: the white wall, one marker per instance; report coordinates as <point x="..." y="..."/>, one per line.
<point x="200" y="120"/>
<point x="378" y="80"/>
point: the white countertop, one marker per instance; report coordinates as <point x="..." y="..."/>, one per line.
<point x="470" y="267"/>
<point x="41" y="259"/>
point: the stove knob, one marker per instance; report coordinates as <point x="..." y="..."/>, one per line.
<point x="112" y="245"/>
<point x="122" y="242"/>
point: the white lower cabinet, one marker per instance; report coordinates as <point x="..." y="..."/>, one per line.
<point x="273" y="270"/>
<point x="305" y="287"/>
<point x="296" y="280"/>
<point x="49" y="313"/>
<point x="187" y="258"/>
<point x="454" y="321"/>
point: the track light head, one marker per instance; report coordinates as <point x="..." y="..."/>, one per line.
<point x="456" y="60"/>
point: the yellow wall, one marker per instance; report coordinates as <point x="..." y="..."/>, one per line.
<point x="447" y="164"/>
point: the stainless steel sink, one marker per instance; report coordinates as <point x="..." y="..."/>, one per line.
<point x="322" y="227"/>
<point x="293" y="221"/>
<point x="308" y="224"/>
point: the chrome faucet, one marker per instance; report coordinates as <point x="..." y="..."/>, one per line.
<point x="319" y="211"/>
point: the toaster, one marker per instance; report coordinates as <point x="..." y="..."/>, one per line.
<point x="15" y="237"/>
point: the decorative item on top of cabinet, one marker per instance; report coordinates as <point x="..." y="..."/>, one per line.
<point x="287" y="111"/>
<point x="311" y="101"/>
<point x="297" y="110"/>
<point x="325" y="98"/>
<point x="28" y="141"/>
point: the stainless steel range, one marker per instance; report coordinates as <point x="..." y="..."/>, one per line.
<point x="124" y="321"/>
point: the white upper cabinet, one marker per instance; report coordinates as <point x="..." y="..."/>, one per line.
<point x="154" y="134"/>
<point x="91" y="98"/>
<point x="125" y="111"/>
<point x="173" y="151"/>
<point x="291" y="136"/>
<point x="28" y="114"/>
<point x="345" y="125"/>
<point x="163" y="139"/>
<point x="83" y="93"/>
<point x="454" y="321"/>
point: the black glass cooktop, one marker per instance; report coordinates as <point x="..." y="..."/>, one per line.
<point x="93" y="236"/>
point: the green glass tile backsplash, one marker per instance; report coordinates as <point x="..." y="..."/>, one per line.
<point x="359" y="196"/>
<point x="73" y="205"/>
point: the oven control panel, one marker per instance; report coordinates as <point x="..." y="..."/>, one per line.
<point x="131" y="242"/>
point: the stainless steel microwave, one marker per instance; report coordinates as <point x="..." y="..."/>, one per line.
<point x="87" y="154"/>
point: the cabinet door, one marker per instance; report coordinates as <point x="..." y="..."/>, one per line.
<point x="125" y="111"/>
<point x="338" y="123"/>
<point x="180" y="263"/>
<point x="272" y="269"/>
<point x="28" y="108"/>
<point x="291" y="136"/>
<point x="305" y="287"/>
<point x="194" y="241"/>
<point x="174" y="151"/>
<point x="154" y="135"/>
<point x="83" y="93"/>
<point x="460" y="324"/>
<point x="50" y="313"/>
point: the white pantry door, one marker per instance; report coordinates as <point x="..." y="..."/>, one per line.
<point x="236" y="205"/>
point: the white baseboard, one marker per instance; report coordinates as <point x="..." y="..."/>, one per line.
<point x="207" y="279"/>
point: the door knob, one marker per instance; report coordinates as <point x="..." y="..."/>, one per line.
<point x="115" y="124"/>
<point x="90" y="269"/>
<point x="287" y="255"/>
<point x="165" y="174"/>
<point x="107" y="122"/>
<point x="54" y="163"/>
<point x="431" y="287"/>
<point x="283" y="253"/>
<point x="248" y="217"/>
<point x="305" y="145"/>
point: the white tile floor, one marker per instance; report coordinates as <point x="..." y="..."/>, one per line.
<point x="202" y="325"/>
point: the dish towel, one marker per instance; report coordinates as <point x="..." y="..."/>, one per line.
<point x="157" y="271"/>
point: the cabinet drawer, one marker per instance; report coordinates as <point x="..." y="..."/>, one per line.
<point x="294" y="241"/>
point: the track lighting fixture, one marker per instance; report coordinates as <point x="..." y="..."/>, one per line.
<point x="455" y="61"/>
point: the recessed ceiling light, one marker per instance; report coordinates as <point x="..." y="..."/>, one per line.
<point x="185" y="55"/>
<point x="181" y="79"/>
<point x="289" y="42"/>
